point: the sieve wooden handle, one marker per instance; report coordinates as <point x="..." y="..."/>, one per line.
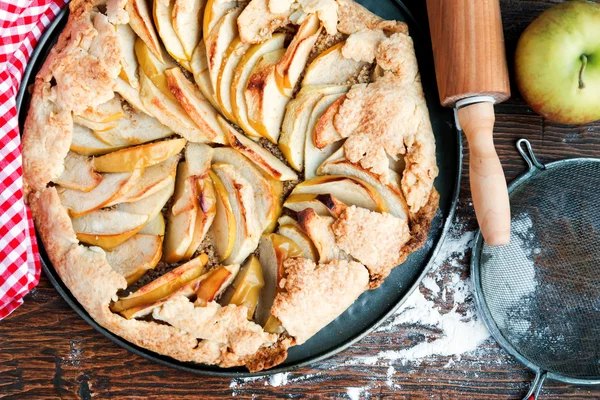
<point x="488" y="185"/>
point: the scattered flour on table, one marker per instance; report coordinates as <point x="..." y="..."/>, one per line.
<point x="460" y="331"/>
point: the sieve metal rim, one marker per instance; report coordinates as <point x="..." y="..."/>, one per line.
<point x="535" y="168"/>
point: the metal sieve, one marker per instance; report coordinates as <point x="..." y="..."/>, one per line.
<point x="539" y="295"/>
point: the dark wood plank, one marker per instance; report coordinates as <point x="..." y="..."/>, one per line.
<point x="49" y="352"/>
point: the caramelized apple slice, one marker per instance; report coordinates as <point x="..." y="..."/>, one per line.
<point x="112" y="187"/>
<point x="299" y="202"/>
<point x="85" y="143"/>
<point x="213" y="285"/>
<point x="195" y="105"/>
<point x="163" y="286"/>
<point x="205" y="214"/>
<point x="182" y="217"/>
<point x="266" y="161"/>
<point x="332" y="68"/>
<point x="265" y="198"/>
<point x="140" y="21"/>
<point x="245" y="289"/>
<point x="223" y="229"/>
<point x="108" y="228"/>
<point x="79" y="173"/>
<point x="153" y="180"/>
<point x="274" y="250"/>
<point x="162" y="12"/>
<point x="151" y="205"/>
<point x="135" y="256"/>
<point x="351" y="191"/>
<point x="187" y="23"/>
<point x="142" y="156"/>
<point x="156" y="226"/>
<point x="292" y="64"/>
<point x="295" y="233"/>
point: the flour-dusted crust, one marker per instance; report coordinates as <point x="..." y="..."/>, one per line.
<point x="357" y="247"/>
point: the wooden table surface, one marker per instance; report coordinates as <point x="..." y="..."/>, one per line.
<point x="47" y="351"/>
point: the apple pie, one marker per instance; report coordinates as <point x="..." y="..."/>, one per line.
<point x="217" y="180"/>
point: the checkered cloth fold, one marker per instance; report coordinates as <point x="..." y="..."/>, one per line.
<point x="21" y="25"/>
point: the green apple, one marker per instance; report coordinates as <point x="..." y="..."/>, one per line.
<point x="557" y="63"/>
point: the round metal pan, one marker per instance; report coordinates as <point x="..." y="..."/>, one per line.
<point x="372" y="307"/>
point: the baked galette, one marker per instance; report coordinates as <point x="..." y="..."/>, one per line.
<point x="217" y="180"/>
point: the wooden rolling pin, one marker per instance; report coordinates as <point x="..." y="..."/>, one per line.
<point x="470" y="64"/>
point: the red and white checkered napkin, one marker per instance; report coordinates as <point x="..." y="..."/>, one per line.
<point x="21" y="25"/>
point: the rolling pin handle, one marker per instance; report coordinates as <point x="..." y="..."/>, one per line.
<point x="488" y="184"/>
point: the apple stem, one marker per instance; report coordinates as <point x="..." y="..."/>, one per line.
<point x="582" y="70"/>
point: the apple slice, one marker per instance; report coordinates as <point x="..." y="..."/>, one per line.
<point x="242" y="200"/>
<point x="151" y="205"/>
<point x="199" y="157"/>
<point x="79" y="173"/>
<point x="314" y="157"/>
<point x="277" y="190"/>
<point x="264" y="101"/>
<point x="199" y="66"/>
<point x="195" y="105"/>
<point x="156" y="226"/>
<point x="351" y="191"/>
<point x="153" y="66"/>
<point x="231" y="58"/>
<point x="142" y="156"/>
<point x="287" y="220"/>
<point x="107" y="228"/>
<point x="131" y="95"/>
<point x="391" y="193"/>
<point x="162" y="12"/>
<point x="205" y="214"/>
<point x="129" y="63"/>
<point x="213" y="12"/>
<point x="332" y="68"/>
<point x="264" y="159"/>
<point x="274" y="250"/>
<point x="320" y="232"/>
<point x="293" y="63"/>
<point x="136" y="128"/>
<point x="295" y="123"/>
<point x="223" y="230"/>
<point x="325" y="132"/>
<point x="218" y="40"/>
<point x="168" y="111"/>
<point x="257" y="22"/>
<point x="140" y="21"/>
<point x="163" y="286"/>
<point x="245" y="289"/>
<point x="112" y="187"/>
<point x="103" y="117"/>
<point x="182" y="217"/>
<point x="299" y="202"/>
<point x="214" y="284"/>
<point x="188" y="290"/>
<point x="154" y="179"/>
<point x="295" y="233"/>
<point x="187" y="16"/>
<point x="240" y="79"/>
<point x="265" y="198"/>
<point x="135" y="256"/>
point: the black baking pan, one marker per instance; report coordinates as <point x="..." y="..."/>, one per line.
<point x="372" y="307"/>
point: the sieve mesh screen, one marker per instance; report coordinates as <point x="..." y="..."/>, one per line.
<point x="543" y="289"/>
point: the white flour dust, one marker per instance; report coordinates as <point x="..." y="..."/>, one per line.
<point x="459" y="329"/>
<point x="452" y="317"/>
